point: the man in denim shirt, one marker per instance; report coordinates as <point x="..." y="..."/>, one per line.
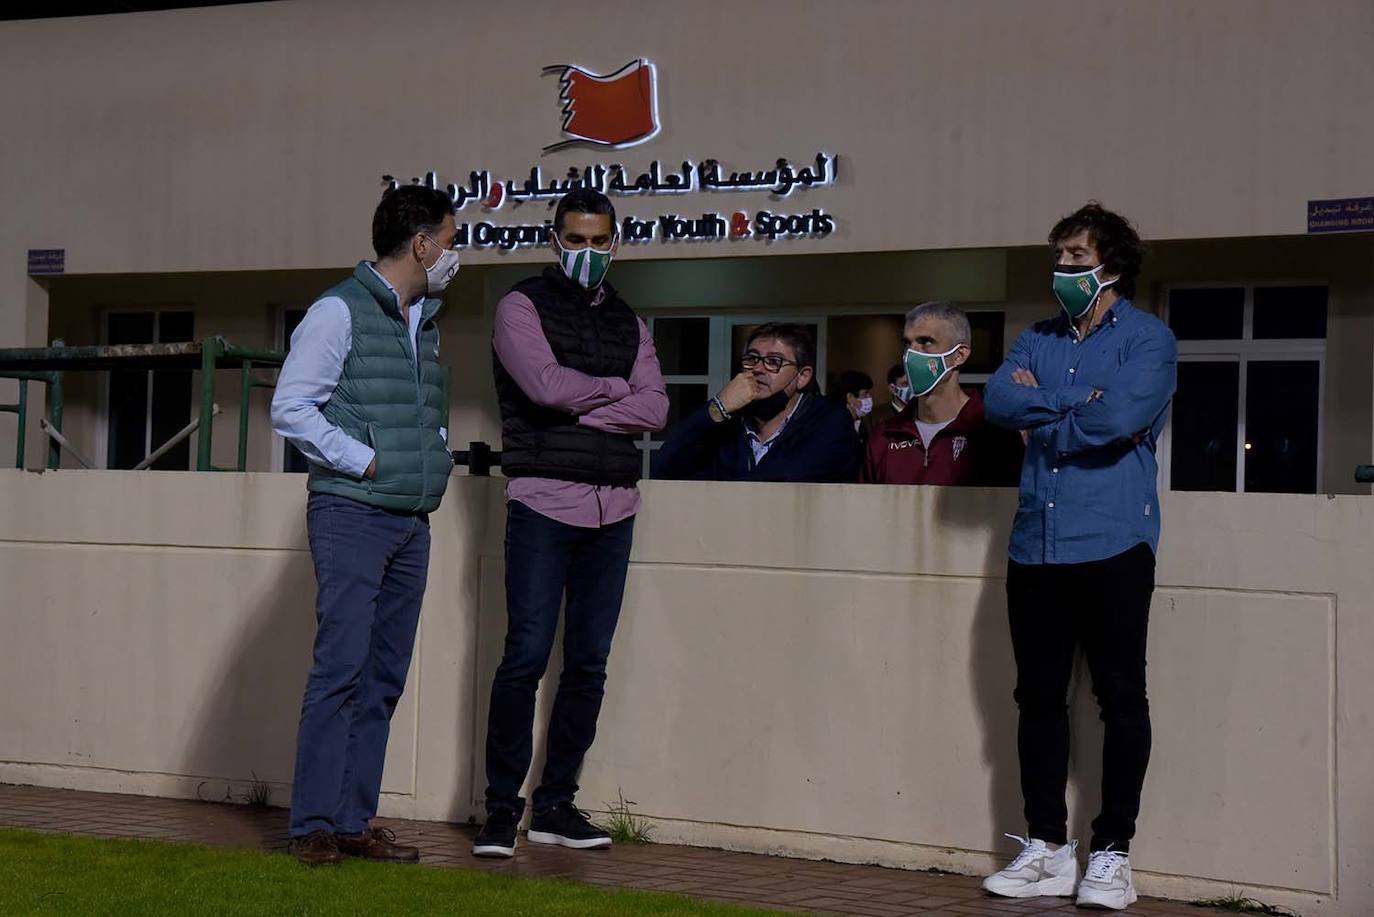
<point x="1090" y="390"/>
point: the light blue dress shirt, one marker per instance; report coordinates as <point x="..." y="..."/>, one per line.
<point x="1088" y="485"/>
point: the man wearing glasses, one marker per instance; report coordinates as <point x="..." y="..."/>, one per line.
<point x="577" y="378"/>
<point x="768" y="423"/>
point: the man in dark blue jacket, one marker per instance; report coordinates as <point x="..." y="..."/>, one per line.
<point x="766" y="425"/>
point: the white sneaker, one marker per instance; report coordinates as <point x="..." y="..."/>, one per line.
<point x="1037" y="870"/>
<point x="1107" y="883"/>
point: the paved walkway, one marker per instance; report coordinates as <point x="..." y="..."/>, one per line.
<point x="762" y="881"/>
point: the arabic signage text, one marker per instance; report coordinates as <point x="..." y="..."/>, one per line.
<point x="670" y="227"/>
<point x="47" y="260"/>
<point x="1347" y="214"/>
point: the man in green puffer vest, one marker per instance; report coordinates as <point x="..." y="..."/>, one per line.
<point x="361" y="395"/>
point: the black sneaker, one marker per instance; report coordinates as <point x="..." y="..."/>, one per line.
<point x="497" y="837"/>
<point x="567" y="826"/>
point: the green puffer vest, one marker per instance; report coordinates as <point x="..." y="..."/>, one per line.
<point x="383" y="401"/>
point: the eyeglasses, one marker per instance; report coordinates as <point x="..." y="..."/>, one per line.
<point x="773" y="363"/>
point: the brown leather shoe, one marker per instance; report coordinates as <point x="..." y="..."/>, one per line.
<point x="378" y="844"/>
<point x="318" y="848"/>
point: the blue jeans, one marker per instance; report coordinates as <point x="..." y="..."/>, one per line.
<point x="543" y="559"/>
<point x="371" y="566"/>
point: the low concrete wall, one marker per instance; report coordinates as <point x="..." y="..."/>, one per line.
<point x="816" y="670"/>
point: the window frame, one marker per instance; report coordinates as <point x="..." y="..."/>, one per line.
<point x="279" y="443"/>
<point x="1244" y="350"/>
<point x="102" y="424"/>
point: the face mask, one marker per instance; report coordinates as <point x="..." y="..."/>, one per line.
<point x="765" y="409"/>
<point x="1077" y="288"/>
<point x="865" y="406"/>
<point x="925" y="370"/>
<point x="586" y="267"/>
<point x="438" y="274"/>
<point x="901" y="394"/>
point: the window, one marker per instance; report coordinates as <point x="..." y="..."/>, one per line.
<point x="690" y="371"/>
<point x="145" y="408"/>
<point x="292" y="459"/>
<point x="1247" y="416"/>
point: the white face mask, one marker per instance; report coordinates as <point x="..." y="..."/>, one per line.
<point x="865" y="405"/>
<point x="438" y="274"/>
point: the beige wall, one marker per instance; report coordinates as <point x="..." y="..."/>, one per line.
<point x="252" y="137"/>
<point x="159" y="628"/>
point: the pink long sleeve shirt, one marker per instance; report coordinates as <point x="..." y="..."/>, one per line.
<point x="606" y="403"/>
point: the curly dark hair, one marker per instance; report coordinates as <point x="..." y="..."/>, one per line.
<point x="402" y="213"/>
<point x="1115" y="239"/>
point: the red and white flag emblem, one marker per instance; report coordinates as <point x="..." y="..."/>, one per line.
<point x="620" y="109"/>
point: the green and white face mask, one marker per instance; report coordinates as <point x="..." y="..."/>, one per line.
<point x="1077" y="288"/>
<point x="925" y="370"/>
<point x="587" y="266"/>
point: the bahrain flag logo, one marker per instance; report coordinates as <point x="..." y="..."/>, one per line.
<point x="617" y="110"/>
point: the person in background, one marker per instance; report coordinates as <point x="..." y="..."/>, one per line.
<point x="854" y="390"/>
<point x="897" y="395"/>
<point x="768" y="423"/>
<point x="941" y="435"/>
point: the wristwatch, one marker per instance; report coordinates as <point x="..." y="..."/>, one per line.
<point x="720" y="408"/>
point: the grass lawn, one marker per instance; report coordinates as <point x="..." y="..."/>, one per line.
<point x="60" y="874"/>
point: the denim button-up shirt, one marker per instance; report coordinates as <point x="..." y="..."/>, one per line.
<point x="1088" y="485"/>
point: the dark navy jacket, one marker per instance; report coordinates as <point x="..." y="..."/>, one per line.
<point x="817" y="445"/>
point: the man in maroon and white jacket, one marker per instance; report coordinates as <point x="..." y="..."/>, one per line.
<point x="941" y="436"/>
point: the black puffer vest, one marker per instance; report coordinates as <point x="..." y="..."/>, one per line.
<point x="600" y="340"/>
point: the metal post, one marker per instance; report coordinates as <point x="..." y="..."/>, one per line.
<point x="245" y="388"/>
<point x="62" y="443"/>
<point x="22" y="410"/>
<point x="447" y="375"/>
<point x="171" y="443"/>
<point x="55" y="418"/>
<point x="209" y="357"/>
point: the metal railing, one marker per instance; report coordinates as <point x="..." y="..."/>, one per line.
<point x="52" y="423"/>
<point x="47" y="364"/>
<point x="479" y="459"/>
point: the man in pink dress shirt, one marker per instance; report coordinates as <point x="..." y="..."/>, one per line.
<point x="577" y="378"/>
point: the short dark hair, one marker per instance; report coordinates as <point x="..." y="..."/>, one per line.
<point x="402" y="213"/>
<point x="1115" y="239"/>
<point x="851" y="382"/>
<point x="796" y="336"/>
<point x="583" y="200"/>
<point x="896" y="372"/>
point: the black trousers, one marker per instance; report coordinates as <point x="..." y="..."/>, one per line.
<point x="1104" y="606"/>
<point x="546" y="560"/>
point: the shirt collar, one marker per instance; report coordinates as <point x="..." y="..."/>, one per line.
<point x="1112" y="316"/>
<point x="373" y="268"/>
<point x="768" y="442"/>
